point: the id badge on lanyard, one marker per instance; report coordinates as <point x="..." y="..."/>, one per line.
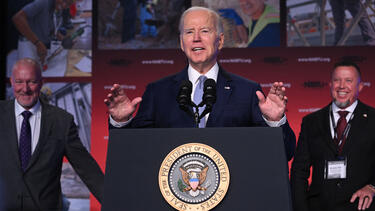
<point x="55" y="44"/>
<point x="57" y="23"/>
<point x="335" y="169"/>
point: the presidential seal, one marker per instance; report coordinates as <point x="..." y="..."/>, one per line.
<point x="194" y="176"/>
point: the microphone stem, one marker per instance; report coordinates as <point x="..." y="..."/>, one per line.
<point x="196" y="116"/>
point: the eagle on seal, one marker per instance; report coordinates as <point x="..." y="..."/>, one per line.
<point x="194" y="179"/>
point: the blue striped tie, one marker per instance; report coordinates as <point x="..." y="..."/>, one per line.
<point x="198" y="93"/>
<point x="25" y="140"/>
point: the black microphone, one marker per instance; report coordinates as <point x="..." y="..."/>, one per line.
<point x="209" y="96"/>
<point x="184" y="95"/>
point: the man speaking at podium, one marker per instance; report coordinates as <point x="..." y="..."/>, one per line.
<point x="238" y="102"/>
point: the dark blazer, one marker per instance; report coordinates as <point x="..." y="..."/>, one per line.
<point x="38" y="188"/>
<point x="236" y="106"/>
<point x="315" y="146"/>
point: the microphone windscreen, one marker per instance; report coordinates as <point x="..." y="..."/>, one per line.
<point x="209" y="95"/>
<point x="186" y="86"/>
<point x="184" y="94"/>
<point x="210" y="84"/>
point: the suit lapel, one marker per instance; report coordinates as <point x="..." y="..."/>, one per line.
<point x="223" y="93"/>
<point x="326" y="129"/>
<point x="359" y="121"/>
<point x="45" y="127"/>
<point x="11" y="134"/>
<point x="178" y="78"/>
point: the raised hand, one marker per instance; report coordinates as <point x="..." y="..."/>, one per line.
<point x="273" y="106"/>
<point x="120" y="107"/>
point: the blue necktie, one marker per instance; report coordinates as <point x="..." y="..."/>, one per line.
<point x="25" y="140"/>
<point x="198" y="93"/>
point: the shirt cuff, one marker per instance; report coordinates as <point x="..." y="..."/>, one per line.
<point x="279" y="123"/>
<point x="118" y="124"/>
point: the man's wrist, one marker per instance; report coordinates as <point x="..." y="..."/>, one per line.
<point x="119" y="124"/>
<point x="279" y="123"/>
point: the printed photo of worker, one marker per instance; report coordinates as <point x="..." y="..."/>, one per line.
<point x="154" y="24"/>
<point x="56" y="33"/>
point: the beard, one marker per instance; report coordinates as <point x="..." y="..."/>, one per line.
<point x="342" y="104"/>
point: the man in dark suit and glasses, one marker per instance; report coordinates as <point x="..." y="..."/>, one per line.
<point x="338" y="142"/>
<point x="239" y="103"/>
<point x="34" y="138"/>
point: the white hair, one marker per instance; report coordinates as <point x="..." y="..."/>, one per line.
<point x="219" y="24"/>
<point x="28" y="62"/>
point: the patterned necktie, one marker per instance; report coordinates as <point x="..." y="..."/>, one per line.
<point x="198" y="93"/>
<point x="25" y="140"/>
<point x="341" y="125"/>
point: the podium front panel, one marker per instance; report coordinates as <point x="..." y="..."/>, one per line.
<point x="255" y="156"/>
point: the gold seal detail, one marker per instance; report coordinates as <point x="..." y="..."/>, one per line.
<point x="194" y="176"/>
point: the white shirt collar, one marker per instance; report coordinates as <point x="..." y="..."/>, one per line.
<point x="351" y="108"/>
<point x="19" y="109"/>
<point x="194" y="74"/>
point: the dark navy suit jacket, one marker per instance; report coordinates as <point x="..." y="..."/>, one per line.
<point x="236" y="106"/>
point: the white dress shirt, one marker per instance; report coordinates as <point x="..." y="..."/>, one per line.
<point x="336" y="115"/>
<point x="34" y="120"/>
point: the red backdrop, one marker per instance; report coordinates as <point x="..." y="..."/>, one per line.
<point x="305" y="71"/>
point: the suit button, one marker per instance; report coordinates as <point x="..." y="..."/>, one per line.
<point x="338" y="185"/>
